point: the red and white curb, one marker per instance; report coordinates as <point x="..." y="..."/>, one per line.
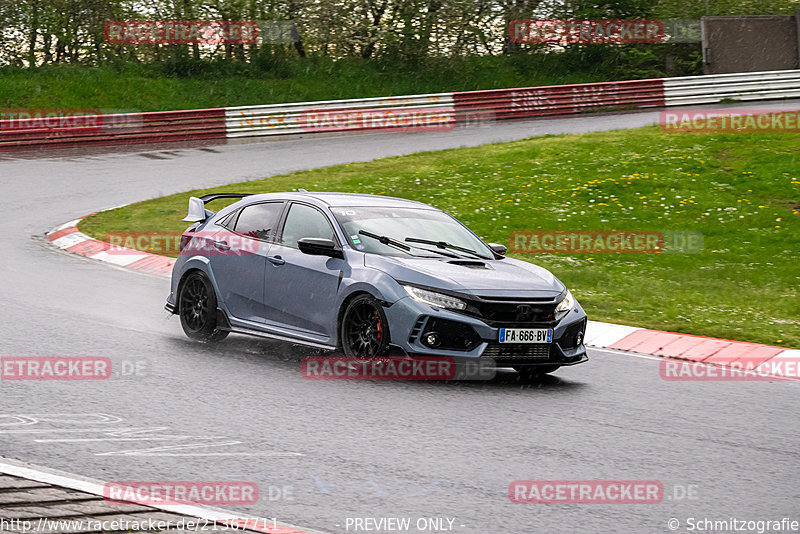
<point x="95" y="487"/>
<point x="688" y="347"/>
<point x="699" y="349"/>
<point x="67" y="237"/>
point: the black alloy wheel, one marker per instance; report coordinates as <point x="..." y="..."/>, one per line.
<point x="364" y="330"/>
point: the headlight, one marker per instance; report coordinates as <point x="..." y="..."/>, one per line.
<point x="566" y="304"/>
<point x="435" y="299"/>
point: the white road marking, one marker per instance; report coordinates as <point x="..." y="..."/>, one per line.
<point x="113" y="434"/>
<point x="778" y="378"/>
<point x="96" y="487"/>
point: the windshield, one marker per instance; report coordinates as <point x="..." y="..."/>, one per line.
<point x="401" y="224"/>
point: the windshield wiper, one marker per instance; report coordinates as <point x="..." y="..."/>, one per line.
<point x="442" y="252"/>
<point x="445" y="244"/>
<point x="385" y="240"/>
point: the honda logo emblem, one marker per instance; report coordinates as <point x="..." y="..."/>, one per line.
<point x="525" y="313"/>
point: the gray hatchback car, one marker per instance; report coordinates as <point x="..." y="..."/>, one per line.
<point x="368" y="276"/>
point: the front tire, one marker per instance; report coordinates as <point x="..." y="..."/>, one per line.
<point x="197" y="305"/>
<point x="364" y="330"/>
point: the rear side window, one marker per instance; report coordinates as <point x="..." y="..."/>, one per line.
<point x="259" y="221"/>
<point x="227" y="221"/>
<point x="305" y="221"/>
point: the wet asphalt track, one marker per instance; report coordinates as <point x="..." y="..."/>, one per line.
<point x="241" y="410"/>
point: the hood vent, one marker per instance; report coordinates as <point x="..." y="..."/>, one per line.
<point x="472" y="264"/>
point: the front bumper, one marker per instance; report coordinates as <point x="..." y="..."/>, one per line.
<point x="408" y="319"/>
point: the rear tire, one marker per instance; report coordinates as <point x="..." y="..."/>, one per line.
<point x="197" y="307"/>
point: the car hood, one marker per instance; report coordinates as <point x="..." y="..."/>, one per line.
<point x="506" y="277"/>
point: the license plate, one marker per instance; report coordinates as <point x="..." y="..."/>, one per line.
<point x="526" y="335"/>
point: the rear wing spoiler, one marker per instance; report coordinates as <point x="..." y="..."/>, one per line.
<point x="197" y="206"/>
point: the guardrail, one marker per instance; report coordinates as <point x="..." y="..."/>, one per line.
<point x="741" y="86"/>
<point x="40" y="130"/>
<point x="431" y="112"/>
<point x="516" y="103"/>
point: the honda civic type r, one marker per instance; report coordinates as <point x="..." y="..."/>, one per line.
<point x="369" y="276"/>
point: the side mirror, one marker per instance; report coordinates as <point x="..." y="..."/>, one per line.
<point x="498" y="249"/>
<point x="317" y="246"/>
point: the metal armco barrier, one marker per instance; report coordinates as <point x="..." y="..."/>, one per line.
<point x="557" y="99"/>
<point x="113" y="129"/>
<point x="417" y="112"/>
<point x="431" y="112"/>
<point x="745" y="86"/>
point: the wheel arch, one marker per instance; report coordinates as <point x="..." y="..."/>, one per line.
<point x="363" y="290"/>
<point x="184" y="276"/>
<point x="195" y="264"/>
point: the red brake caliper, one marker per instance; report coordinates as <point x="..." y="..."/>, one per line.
<point x="378" y="325"/>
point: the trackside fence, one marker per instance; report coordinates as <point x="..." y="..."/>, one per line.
<point x="430" y="112"/>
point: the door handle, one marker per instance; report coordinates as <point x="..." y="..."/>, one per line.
<point x="222" y="245"/>
<point x="276" y="260"/>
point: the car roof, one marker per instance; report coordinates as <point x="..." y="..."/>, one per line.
<point x="343" y="199"/>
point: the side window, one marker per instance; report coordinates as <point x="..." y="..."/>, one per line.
<point x="305" y="221"/>
<point x="227" y="221"/>
<point x="259" y="220"/>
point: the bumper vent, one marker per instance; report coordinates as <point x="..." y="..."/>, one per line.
<point x="417" y="330"/>
<point x="569" y="339"/>
<point x="499" y="351"/>
<point x="449" y="335"/>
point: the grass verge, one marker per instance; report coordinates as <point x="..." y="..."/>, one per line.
<point x="132" y="87"/>
<point x="741" y="190"/>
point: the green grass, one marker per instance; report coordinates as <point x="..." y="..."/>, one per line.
<point x="742" y="191"/>
<point x="157" y="88"/>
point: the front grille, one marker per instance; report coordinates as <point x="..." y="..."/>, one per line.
<point x="517" y="350"/>
<point x="504" y="312"/>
